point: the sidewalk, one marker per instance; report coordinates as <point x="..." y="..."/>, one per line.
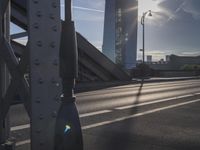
<point x="84" y="87"/>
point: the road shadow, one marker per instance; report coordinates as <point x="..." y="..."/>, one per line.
<point x="121" y="135"/>
<point x="171" y="129"/>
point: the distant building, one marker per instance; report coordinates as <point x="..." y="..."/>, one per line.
<point x="149" y="58"/>
<point x="120" y="32"/>
<point x="167" y="58"/>
<point x="139" y="61"/>
<point x="175" y="62"/>
<point x="161" y="61"/>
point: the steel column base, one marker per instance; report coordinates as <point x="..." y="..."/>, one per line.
<point x="9" y="145"/>
<point x="68" y="134"/>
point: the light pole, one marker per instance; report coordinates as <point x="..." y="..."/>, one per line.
<point x="143" y="34"/>
<point x="68" y="133"/>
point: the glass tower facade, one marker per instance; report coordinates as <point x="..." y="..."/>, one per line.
<point x="120" y="32"/>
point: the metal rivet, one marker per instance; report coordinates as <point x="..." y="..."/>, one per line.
<point x="41" y="117"/>
<point x="37" y="100"/>
<point x="35" y="1"/>
<point x="52" y="16"/>
<point x="55" y="62"/>
<point x="39" y="14"/>
<point x="36" y="25"/>
<point x="37" y="62"/>
<point x="53" y="81"/>
<point x="40" y="81"/>
<point x="54" y="28"/>
<point x="39" y="43"/>
<point x="54" y="5"/>
<point x="52" y="45"/>
<point x="38" y="131"/>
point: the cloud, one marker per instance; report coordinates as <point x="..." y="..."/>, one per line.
<point x="93" y="4"/>
<point x="155" y="52"/>
<point x="84" y="8"/>
<point x="173" y="15"/>
<point x="179" y="7"/>
<point x="88" y="9"/>
<point x="163" y="11"/>
<point x="85" y="16"/>
<point x="193" y="53"/>
<point x="192" y="7"/>
<point x="170" y="10"/>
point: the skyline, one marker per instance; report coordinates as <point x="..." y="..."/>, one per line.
<point x="173" y="29"/>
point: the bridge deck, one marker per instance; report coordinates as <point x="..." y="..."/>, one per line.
<point x="153" y="116"/>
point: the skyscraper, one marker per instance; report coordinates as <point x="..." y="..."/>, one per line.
<point x="120" y="32"/>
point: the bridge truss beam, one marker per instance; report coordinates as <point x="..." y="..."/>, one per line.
<point x="42" y="75"/>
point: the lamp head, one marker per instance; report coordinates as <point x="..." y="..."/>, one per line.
<point x="150" y="14"/>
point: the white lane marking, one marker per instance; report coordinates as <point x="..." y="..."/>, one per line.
<point x="138" y="115"/>
<point x="94" y="113"/>
<point x="124" y="118"/>
<point x="23" y="142"/>
<point x="26" y="126"/>
<point x="21" y="127"/>
<point x="152" y="102"/>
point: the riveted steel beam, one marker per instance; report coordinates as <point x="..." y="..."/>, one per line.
<point x="4" y="75"/>
<point x="45" y="85"/>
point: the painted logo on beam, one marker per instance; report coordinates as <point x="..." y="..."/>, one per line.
<point x="67" y="129"/>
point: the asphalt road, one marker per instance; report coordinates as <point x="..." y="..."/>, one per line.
<point x="149" y="116"/>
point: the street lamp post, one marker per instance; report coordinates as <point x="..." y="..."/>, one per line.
<point x="68" y="134"/>
<point x="143" y="33"/>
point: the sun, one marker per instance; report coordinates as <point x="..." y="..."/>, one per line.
<point x="145" y="5"/>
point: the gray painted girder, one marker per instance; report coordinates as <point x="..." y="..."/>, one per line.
<point x="45" y="83"/>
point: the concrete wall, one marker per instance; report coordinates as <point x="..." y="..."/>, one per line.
<point x="177" y="74"/>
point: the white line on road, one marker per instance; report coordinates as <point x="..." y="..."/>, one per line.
<point x="26" y="126"/>
<point x="21" y="127"/>
<point x="94" y="113"/>
<point x="152" y="102"/>
<point x="23" y="142"/>
<point x="138" y="115"/>
<point x="125" y="118"/>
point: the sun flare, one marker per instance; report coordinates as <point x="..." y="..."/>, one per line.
<point x="145" y="5"/>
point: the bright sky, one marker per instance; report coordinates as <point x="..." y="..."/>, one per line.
<point x="174" y="27"/>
